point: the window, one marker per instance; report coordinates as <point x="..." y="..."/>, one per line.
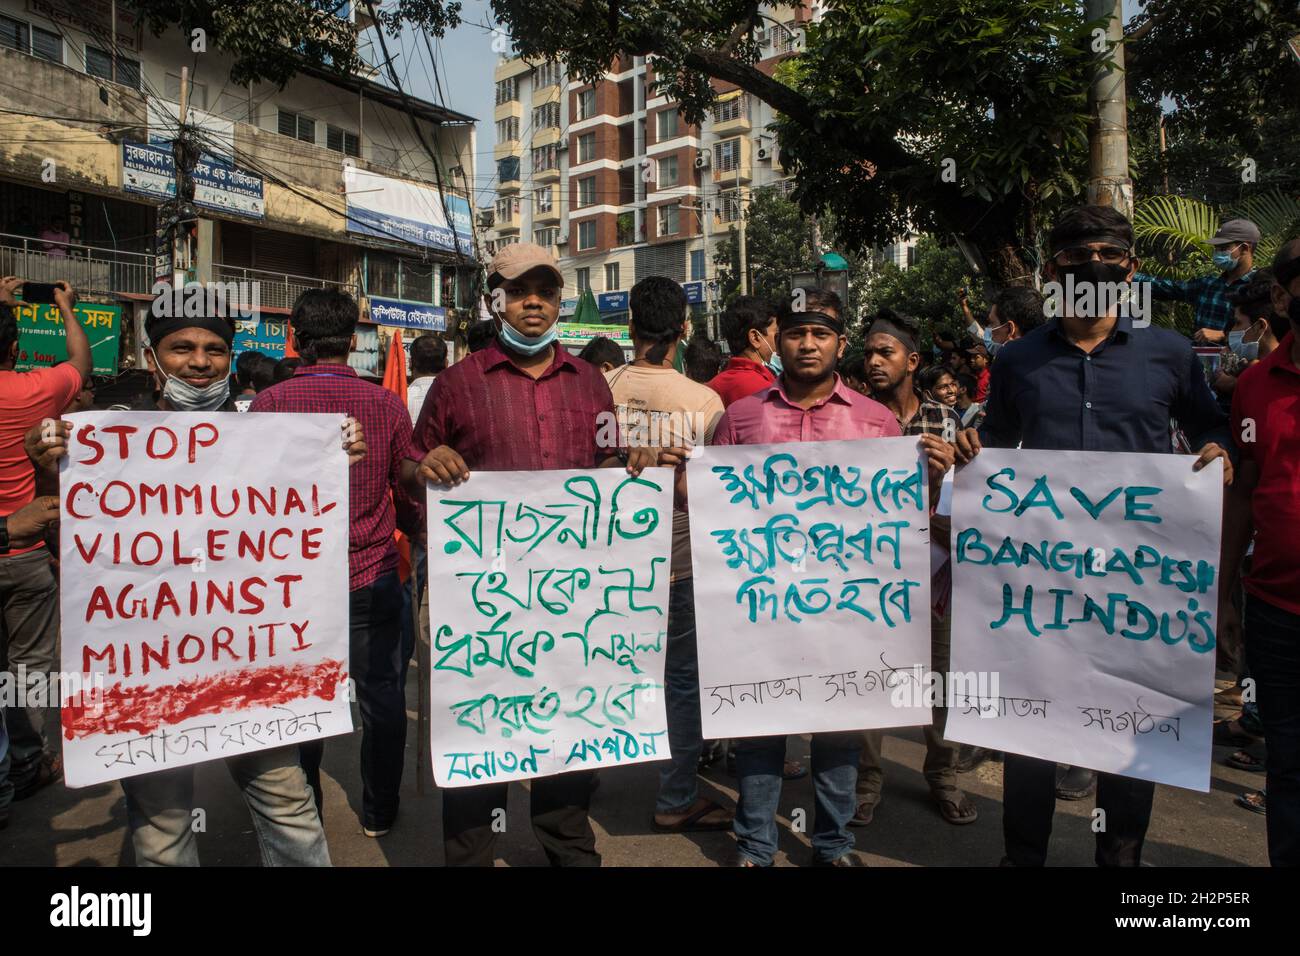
<point x="584" y="274"/>
<point x="508" y="169"/>
<point x="548" y="114"/>
<point x="911" y="256"/>
<point x="784" y="38"/>
<point x="734" y="108"/>
<point x="726" y="155"/>
<point x="668" y="220"/>
<point x="546" y="237"/>
<point x="697" y="264"/>
<point x="729" y="206"/>
<point x="299" y="127"/>
<point x="667" y="172"/>
<point x="665" y="125"/>
<point x="507" y="209"/>
<point x="99" y="63"/>
<point x="341" y="141"/>
<point x="507" y="90"/>
<point x="587" y="104"/>
<point x="542" y="200"/>
<point x="49" y="46"/>
<point x="586" y="147"/>
<point x="548" y="74"/>
<point x="172" y="90"/>
<point x="507" y="129"/>
<point x="587" y="191"/>
<point x="611" y="276"/>
<point x="587" y="239"/>
<point x="544" y="158"/>
<point x="13" y="35"/>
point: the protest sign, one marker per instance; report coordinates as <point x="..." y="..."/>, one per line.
<point x="548" y="620"/>
<point x="204" y="597"/>
<point x="1087" y="584"/>
<point x="811" y="564"/>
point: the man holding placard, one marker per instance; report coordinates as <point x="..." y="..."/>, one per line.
<point x="808" y="402"/>
<point x="189" y="357"/>
<point x="1092" y="379"/>
<point x="520" y="404"/>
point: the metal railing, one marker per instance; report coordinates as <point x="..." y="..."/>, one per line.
<point x="278" y="289"/>
<point x="86" y="268"/>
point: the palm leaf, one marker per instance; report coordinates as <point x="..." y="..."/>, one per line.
<point x="1172" y="232"/>
<point x="1278" y="218"/>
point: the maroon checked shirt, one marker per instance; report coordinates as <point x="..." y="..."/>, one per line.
<point x="499" y="418"/>
<point x="372" y="520"/>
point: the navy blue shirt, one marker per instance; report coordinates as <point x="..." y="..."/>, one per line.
<point x="1046" y="392"/>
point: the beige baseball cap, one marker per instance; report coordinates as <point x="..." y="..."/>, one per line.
<point x="521" y="257"/>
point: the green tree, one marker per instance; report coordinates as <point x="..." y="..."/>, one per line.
<point x="927" y="290"/>
<point x="953" y="117"/>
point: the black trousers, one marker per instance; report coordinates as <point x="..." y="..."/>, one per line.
<point x="560" y="821"/>
<point x="1029" y="803"/>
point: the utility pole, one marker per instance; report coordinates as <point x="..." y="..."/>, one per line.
<point x="740" y="210"/>
<point x="180" y="151"/>
<point x="1108" y="179"/>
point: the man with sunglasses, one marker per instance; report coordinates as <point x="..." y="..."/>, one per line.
<point x="1211" y="296"/>
<point x="1092" y="382"/>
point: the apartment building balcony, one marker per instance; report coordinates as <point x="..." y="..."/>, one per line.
<point x="508" y="147"/>
<point x="87" y="269"/>
<point x="514" y="66"/>
<point x="508" y="109"/>
<point x="551" y="175"/>
<point x="278" y="290"/>
<point x="546" y="136"/>
<point x="547" y="217"/>
<point x="732" y="160"/>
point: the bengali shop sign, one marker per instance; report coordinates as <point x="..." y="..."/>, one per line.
<point x="549" y="625"/>
<point x="42" y="343"/>
<point x="811" y="564"/>
<point x="1088" y="582"/>
<point x="204" y="587"/>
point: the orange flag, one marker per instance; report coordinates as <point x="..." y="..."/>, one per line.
<point x="395" y="382"/>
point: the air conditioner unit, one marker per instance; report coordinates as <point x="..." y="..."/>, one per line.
<point x="764" y="152"/>
<point x="702" y="159"/>
<point x="562" y="147"/>
<point x="563" y="239"/>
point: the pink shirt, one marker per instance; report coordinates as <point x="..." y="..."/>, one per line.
<point x="768" y="417"/>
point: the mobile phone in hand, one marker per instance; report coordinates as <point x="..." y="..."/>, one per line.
<point x="39" y="293"/>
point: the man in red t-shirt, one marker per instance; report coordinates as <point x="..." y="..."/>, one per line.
<point x="749" y="326"/>
<point x="1262" y="500"/>
<point x="29" y="593"/>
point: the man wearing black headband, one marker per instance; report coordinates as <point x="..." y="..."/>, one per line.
<point x="190" y="359"/>
<point x="1262" y="505"/>
<point x="807" y="402"/>
<point x="1070" y="385"/>
<point x="891" y="361"/>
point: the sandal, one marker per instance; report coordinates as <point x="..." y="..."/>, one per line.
<point x="1253" y="801"/>
<point x="865" y="812"/>
<point x="694" y="822"/>
<point x="1229" y="697"/>
<point x="1245" y="760"/>
<point x="956" y="808"/>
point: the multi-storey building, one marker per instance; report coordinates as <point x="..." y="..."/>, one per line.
<point x="619" y="186"/>
<point x="321" y="183"/>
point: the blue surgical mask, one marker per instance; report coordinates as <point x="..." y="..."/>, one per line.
<point x="773" y="362"/>
<point x="1224" y="261"/>
<point x="185" y="397"/>
<point x="1235" y="339"/>
<point x="527" y="344"/>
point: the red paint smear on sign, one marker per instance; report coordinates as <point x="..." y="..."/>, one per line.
<point x="144" y="709"/>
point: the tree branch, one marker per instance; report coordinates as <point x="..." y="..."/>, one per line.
<point x="1138" y="34"/>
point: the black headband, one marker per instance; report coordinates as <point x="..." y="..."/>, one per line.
<point x="159" y="329"/>
<point x="886" y="327"/>
<point x="792" y="319"/>
<point x="1114" y="238"/>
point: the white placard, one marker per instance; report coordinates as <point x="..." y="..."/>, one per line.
<point x="204" y="592"/>
<point x="548" y="619"/>
<point x="812" y="586"/>
<point x="1085" y="586"/>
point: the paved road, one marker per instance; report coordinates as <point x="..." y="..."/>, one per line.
<point x="88" y="827"/>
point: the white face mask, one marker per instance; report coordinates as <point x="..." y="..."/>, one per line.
<point x="190" y="398"/>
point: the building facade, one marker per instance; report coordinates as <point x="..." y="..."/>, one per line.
<point x="323" y="183"/>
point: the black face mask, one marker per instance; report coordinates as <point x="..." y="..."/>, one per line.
<point x="1095" y="271"/>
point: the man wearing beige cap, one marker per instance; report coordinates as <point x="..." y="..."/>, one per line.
<point x="520" y="404"/>
<point x="1211" y="296"/>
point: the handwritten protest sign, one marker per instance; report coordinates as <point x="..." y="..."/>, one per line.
<point x="812" y="586"/>
<point x="204" y="587"/>
<point x="1087" y="585"/>
<point x="548" y="619"/>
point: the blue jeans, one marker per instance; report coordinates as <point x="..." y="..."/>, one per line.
<point x="679" y="780"/>
<point x="160" y="812"/>
<point x="1272" y="638"/>
<point x="759" y="761"/>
